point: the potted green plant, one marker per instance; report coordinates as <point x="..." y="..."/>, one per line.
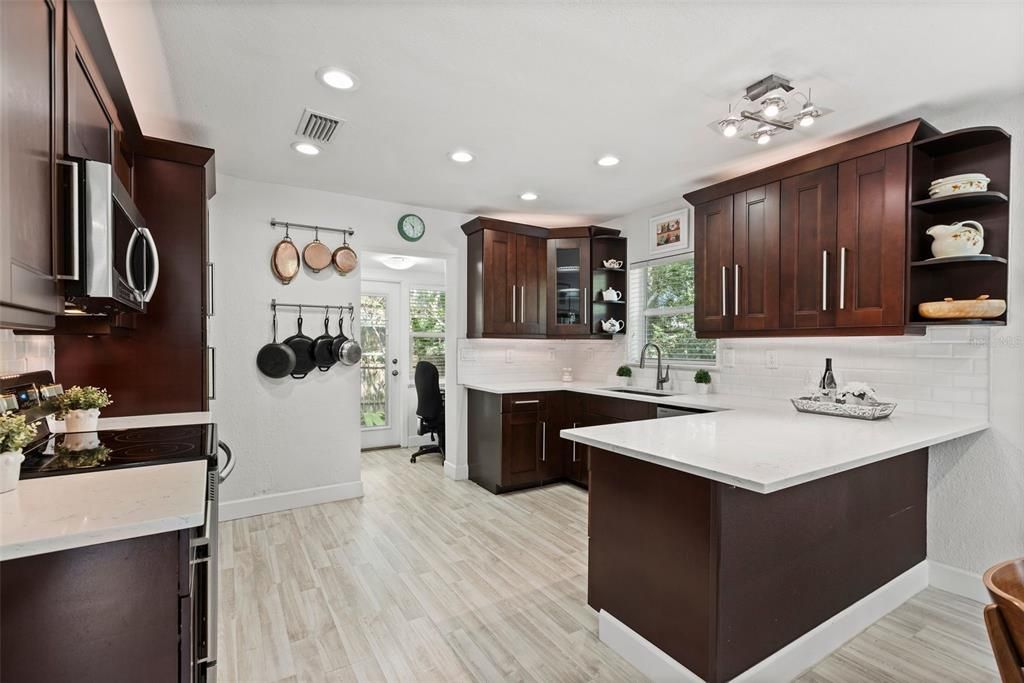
<point x="623" y="374"/>
<point x="15" y="434"/>
<point x="79" y="407"/>
<point x="703" y="380"/>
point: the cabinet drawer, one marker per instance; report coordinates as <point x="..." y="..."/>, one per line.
<point x="519" y="403"/>
<point x="619" y="409"/>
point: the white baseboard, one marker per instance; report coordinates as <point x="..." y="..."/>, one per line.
<point x="787" y="663"/>
<point x="958" y="581"/>
<point x="276" y="502"/>
<point x="457" y="473"/>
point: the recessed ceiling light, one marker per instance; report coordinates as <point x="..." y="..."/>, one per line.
<point x="608" y="160"/>
<point x="528" y="196"/>
<point x="461" y="156"/>
<point x="307" y="148"/>
<point x="336" y="78"/>
<point x="395" y="262"/>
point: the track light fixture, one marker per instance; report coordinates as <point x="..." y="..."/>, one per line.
<point x="773" y="96"/>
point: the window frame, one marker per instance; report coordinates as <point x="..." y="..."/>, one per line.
<point x="412" y="336"/>
<point x="639" y="314"/>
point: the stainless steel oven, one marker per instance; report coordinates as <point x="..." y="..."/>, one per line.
<point x="112" y="263"/>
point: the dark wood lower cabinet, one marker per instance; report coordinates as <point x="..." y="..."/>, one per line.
<point x="514" y="439"/>
<point x="100" y="614"/>
<point x="719" y="577"/>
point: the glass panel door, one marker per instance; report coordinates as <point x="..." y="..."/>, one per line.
<point x="568" y="286"/>
<point x="379" y="368"/>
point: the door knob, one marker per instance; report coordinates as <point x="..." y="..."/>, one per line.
<point x="394" y="361"/>
<point x="394" y="373"/>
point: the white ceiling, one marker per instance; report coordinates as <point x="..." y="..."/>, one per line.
<point x="538" y="90"/>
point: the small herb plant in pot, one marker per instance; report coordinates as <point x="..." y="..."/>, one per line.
<point x="79" y="407"/>
<point x="623" y="374"/>
<point x="15" y="434"/>
<point x="703" y="380"/>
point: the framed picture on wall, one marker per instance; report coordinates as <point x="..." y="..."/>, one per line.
<point x="671" y="232"/>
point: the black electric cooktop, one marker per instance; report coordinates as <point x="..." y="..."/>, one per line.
<point x="114" y="449"/>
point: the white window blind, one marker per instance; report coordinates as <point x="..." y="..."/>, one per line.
<point x="426" y="323"/>
<point x="661" y="311"/>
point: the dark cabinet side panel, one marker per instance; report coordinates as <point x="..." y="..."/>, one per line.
<point x="872" y="237"/>
<point x="808" y="229"/>
<point x="756" y="256"/>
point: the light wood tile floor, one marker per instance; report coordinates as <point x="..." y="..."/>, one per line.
<point x="425" y="579"/>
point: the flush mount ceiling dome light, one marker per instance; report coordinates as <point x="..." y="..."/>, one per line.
<point x="307" y="148"/>
<point x="339" y="79"/>
<point x="528" y="196"/>
<point x="461" y="156"/>
<point x="774" y="95"/>
<point x="608" y="160"/>
<point x="395" y="262"/>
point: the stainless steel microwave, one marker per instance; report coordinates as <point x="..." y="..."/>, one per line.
<point x="113" y="258"/>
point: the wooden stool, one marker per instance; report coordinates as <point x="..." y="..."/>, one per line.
<point x="1005" y="618"/>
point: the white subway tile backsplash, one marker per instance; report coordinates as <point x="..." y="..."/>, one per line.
<point x="20" y="354"/>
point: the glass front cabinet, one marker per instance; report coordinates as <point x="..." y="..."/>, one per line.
<point x="570" y="289"/>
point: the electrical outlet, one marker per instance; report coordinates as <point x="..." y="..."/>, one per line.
<point x="467" y="354"/>
<point x="771" y="359"/>
<point x="729" y="358"/>
<point x="508" y="355"/>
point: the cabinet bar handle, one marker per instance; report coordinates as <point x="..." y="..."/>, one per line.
<point x="522" y="303"/>
<point x="76" y="237"/>
<point x="574" y="443"/>
<point x="724" y="311"/>
<point x="736" y="288"/>
<point x="209" y="290"/>
<point x="586" y="305"/>
<point x="211" y="393"/>
<point x="824" y="280"/>
<point x="842" y="278"/>
<point x="513" y="303"/>
<point x="522" y="403"/>
<point x="543" y="441"/>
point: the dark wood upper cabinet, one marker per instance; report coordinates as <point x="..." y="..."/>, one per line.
<point x="756" y="258"/>
<point x="499" y="282"/>
<point x="808" y="228"/>
<point x="90" y="120"/>
<point x="713" y="262"/>
<point x="531" y="278"/>
<point x="30" y="50"/>
<point x="569" y="287"/>
<point x="872" y="239"/>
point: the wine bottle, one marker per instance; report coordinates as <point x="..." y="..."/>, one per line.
<point x="828" y="382"/>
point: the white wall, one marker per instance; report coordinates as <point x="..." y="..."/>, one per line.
<point x="297" y="441"/>
<point x="976" y="484"/>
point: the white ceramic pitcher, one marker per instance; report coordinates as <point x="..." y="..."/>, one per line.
<point x="962" y="238"/>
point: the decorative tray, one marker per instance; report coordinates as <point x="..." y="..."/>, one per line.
<point x="865" y="411"/>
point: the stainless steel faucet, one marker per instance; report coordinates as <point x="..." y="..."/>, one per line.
<point x="660" y="377"/>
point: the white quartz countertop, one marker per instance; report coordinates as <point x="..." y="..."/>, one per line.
<point x="48" y="514"/>
<point x="763" y="445"/>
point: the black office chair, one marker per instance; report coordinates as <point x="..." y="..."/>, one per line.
<point x="429" y="408"/>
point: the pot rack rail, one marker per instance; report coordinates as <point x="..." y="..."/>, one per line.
<point x="287" y="225"/>
<point x="275" y="304"/>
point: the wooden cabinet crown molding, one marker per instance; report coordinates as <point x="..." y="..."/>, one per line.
<point x="483" y="223"/>
<point x="893" y="136"/>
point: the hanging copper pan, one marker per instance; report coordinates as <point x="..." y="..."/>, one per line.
<point x="317" y="255"/>
<point x="284" y="260"/>
<point x="344" y="258"/>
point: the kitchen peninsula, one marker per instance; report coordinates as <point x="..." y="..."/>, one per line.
<point x="719" y="539"/>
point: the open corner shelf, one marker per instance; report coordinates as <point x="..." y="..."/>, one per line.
<point x="609" y="270"/>
<point x="976" y="258"/>
<point x="961" y="140"/>
<point x="616" y="303"/>
<point x="965" y="200"/>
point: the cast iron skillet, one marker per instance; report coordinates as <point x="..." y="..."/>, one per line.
<point x="302" y="346"/>
<point x="322" y="346"/>
<point x="274" y="359"/>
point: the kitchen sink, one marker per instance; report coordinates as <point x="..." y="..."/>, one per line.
<point x="642" y="392"/>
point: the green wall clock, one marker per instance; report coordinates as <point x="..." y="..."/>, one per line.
<point x="411" y="227"/>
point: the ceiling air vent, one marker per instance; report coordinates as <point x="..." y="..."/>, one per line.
<point x="317" y="126"/>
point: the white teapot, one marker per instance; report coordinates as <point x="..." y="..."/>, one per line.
<point x="962" y="238"/>
<point x="611" y="294"/>
<point x="612" y="325"/>
<point x="612" y="263"/>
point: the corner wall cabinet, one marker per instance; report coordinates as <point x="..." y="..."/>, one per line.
<point x="834" y="243"/>
<point x="528" y="282"/>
